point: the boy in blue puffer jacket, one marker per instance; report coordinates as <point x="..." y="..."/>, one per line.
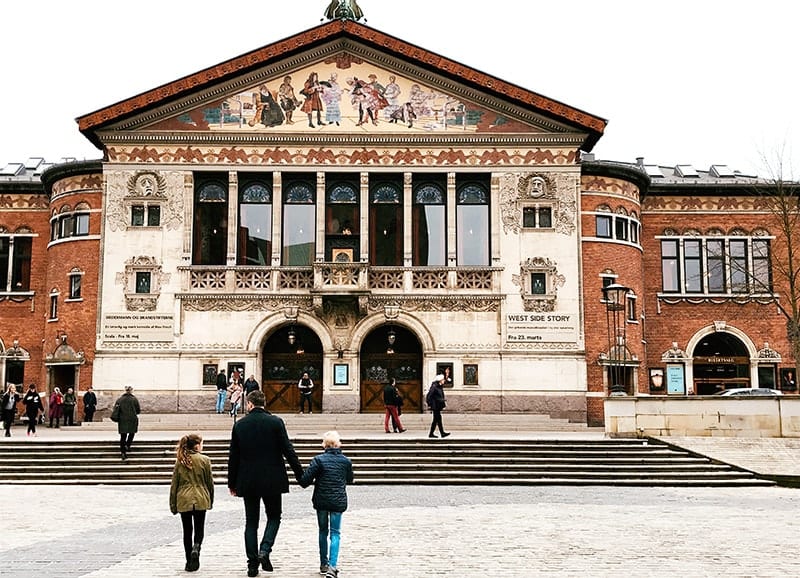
<point x="330" y="472"/>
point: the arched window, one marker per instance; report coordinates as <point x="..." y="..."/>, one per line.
<point x="472" y="225"/>
<point x="429" y="224"/>
<point x="298" y="222"/>
<point x="255" y="223"/>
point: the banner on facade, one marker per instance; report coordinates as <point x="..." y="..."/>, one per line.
<point x="123" y="327"/>
<point x="541" y="327"/>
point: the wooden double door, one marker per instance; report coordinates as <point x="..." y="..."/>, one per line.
<point x="376" y="372"/>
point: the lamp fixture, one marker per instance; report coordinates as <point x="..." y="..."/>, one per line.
<point x="291" y="336"/>
<point x="391" y="336"/>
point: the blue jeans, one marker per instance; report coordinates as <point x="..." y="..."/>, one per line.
<point x="252" y="515"/>
<point x="335" y="525"/>
<point x="222" y="395"/>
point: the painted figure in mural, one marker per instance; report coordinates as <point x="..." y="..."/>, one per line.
<point x="313" y="103"/>
<point x="345" y="9"/>
<point x="419" y="101"/>
<point x="368" y="99"/>
<point x="268" y="112"/>
<point x="392" y="95"/>
<point x="405" y="114"/>
<point x="287" y="98"/>
<point x="332" y="97"/>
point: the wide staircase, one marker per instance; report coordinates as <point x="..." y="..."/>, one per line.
<point x="493" y="450"/>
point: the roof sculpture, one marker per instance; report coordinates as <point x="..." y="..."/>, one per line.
<point x="344" y="10"/>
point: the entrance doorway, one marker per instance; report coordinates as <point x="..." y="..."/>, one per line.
<point x="721" y="361"/>
<point x="288" y="353"/>
<point x="391" y="351"/>
<point x="62" y="377"/>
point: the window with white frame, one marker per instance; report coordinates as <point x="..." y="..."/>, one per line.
<point x="53" y="305"/>
<point x="70" y="222"/>
<point x="537" y="217"/>
<point x="716" y="265"/>
<point x="75" y="280"/>
<point x="15" y="262"/>
<point x="619" y="226"/>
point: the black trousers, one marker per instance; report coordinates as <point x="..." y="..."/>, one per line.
<point x="437" y="422"/>
<point x="88" y="414"/>
<point x="125" y="442"/>
<point x="303" y="398"/>
<point x="69" y="415"/>
<point x="8" y="419"/>
<point x="194" y="524"/>
<point x="32" y="422"/>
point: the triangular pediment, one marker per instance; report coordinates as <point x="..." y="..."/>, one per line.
<point x="340" y="78"/>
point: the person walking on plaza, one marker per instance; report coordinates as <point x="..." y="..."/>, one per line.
<point x="33" y="405"/>
<point x="191" y="494"/>
<point x="250" y="384"/>
<point x="126" y="414"/>
<point x="8" y="402"/>
<point x="69" y="407"/>
<point x="89" y="404"/>
<point x="257" y="474"/>
<point x="435" y="401"/>
<point x="55" y="407"/>
<point x="235" y="391"/>
<point x="306" y="387"/>
<point x="330" y="472"/>
<point x="392" y="401"/>
<point x="222" y="390"/>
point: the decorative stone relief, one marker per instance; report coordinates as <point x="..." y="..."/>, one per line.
<point x="559" y="188"/>
<point x="538" y="299"/>
<point x="233" y="303"/>
<point x="136" y="299"/>
<point x="148" y="187"/>
<point x="766" y="353"/>
<point x="437" y="303"/>
<point x="674" y="353"/>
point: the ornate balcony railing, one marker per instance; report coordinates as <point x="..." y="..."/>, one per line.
<point x="338" y="278"/>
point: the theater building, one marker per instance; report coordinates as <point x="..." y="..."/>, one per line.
<point x="344" y="203"/>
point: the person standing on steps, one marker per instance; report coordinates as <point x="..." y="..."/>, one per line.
<point x="126" y="414"/>
<point x="9" y="404"/>
<point x="89" y="404"/>
<point x="222" y="390"/>
<point x="55" y="407"/>
<point x="257" y="474"/>
<point x="70" y="400"/>
<point x="250" y="384"/>
<point x="33" y="406"/>
<point x="392" y="401"/>
<point x="435" y="401"/>
<point x="306" y="387"/>
<point x="191" y="494"/>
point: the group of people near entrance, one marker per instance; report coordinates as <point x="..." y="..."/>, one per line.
<point x="257" y="474"/>
<point x="59" y="406"/>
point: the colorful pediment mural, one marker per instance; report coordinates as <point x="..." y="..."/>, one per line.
<point x="343" y="94"/>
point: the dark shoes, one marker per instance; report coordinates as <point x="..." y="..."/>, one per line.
<point x="445" y="434"/>
<point x="332" y="572"/>
<point x="431" y="435"/>
<point x="402" y="430"/>
<point x="266" y="565"/>
<point x="194" y="559"/>
<point x="124" y="456"/>
<point x="252" y="571"/>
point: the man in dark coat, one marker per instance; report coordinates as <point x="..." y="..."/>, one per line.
<point x="126" y="414"/>
<point x="256" y="473"/>
<point x="89" y="404"/>
<point x="435" y="401"/>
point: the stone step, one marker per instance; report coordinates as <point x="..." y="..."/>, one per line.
<point x="394" y="461"/>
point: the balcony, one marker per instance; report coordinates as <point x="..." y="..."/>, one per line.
<point x="345" y="279"/>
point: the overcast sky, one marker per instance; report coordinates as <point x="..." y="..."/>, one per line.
<point x="701" y="82"/>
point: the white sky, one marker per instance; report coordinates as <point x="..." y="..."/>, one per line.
<point x="701" y="82"/>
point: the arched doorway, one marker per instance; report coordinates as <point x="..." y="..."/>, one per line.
<point x="721" y="361"/>
<point x="287" y="353"/>
<point x="391" y="351"/>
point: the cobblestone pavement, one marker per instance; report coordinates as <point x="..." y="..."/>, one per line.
<point x="416" y="532"/>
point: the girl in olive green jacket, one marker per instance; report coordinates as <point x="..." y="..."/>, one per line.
<point x="191" y="494"/>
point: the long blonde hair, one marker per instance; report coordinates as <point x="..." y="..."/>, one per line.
<point x="187" y="446"/>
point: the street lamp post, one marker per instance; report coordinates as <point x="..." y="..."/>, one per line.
<point x="615" y="298"/>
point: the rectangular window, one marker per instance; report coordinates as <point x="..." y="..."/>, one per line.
<point x="5" y="259"/>
<point x="153" y="215"/>
<point x="75" y="286"/>
<point x="631" y="308"/>
<point x="54" y="229"/>
<point x="537" y="217"/>
<point x="137" y="216"/>
<point x="298" y="235"/>
<point x="529" y="217"/>
<point x="762" y="274"/>
<point x="715" y="261"/>
<point x="692" y="266"/>
<point x="670" y="276"/>
<point x="143" y="282"/>
<point x="255" y="234"/>
<point x="210" y="228"/>
<point x="545" y="217"/>
<point x="603" y="226"/>
<point x="53" y="307"/>
<point x="634" y="232"/>
<point x="21" y="264"/>
<point x="621" y="228"/>
<point x="430" y="232"/>
<point x="65" y="224"/>
<point x="81" y="224"/>
<point x="538" y="286"/>
<point x="738" y="264"/>
<point x="472" y="222"/>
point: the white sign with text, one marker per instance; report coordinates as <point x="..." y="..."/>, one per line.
<point x="121" y="327"/>
<point x="541" y="327"/>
